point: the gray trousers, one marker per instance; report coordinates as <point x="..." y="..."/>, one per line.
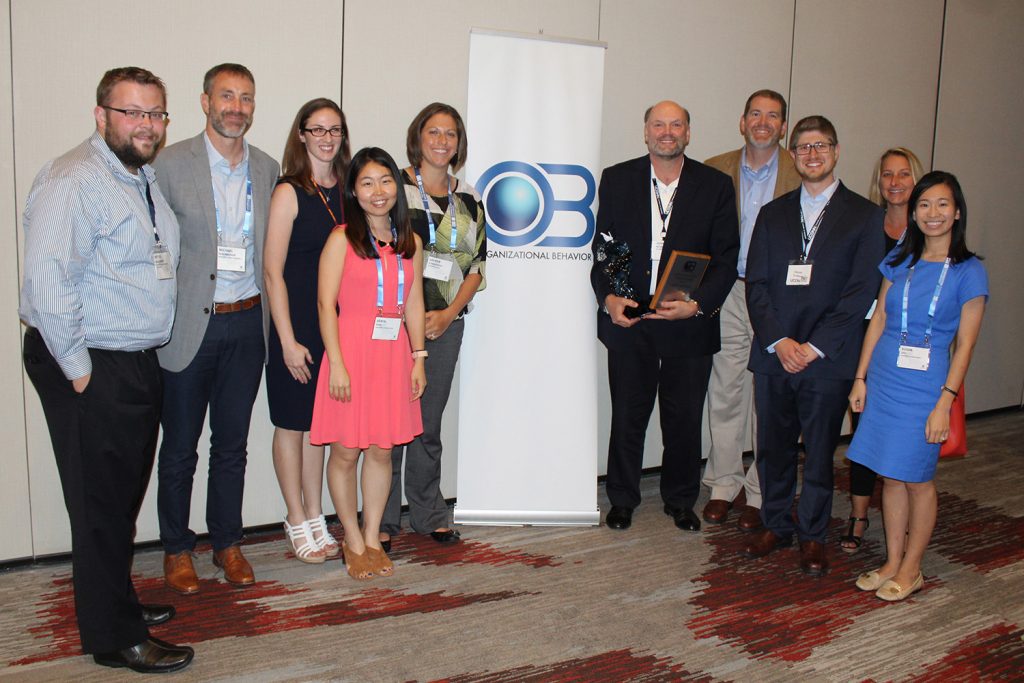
<point x="427" y="509"/>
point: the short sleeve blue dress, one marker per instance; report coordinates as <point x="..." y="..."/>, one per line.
<point x="890" y="438"/>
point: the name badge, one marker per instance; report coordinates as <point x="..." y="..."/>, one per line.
<point x="913" y="357"/>
<point x="799" y="274"/>
<point x="386" y="328"/>
<point x="656" y="248"/>
<point x="231" y="258"/>
<point x="162" y="262"/>
<point x="439" y="267"/>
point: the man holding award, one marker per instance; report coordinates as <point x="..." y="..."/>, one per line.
<point x="655" y="210"/>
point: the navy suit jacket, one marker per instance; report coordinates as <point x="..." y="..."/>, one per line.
<point x="703" y="221"/>
<point x="829" y="312"/>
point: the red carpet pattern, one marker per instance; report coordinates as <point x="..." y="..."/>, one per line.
<point x="566" y="604"/>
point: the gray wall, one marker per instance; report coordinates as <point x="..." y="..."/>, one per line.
<point x="941" y="78"/>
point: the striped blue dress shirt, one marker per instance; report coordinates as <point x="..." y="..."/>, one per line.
<point x="90" y="281"/>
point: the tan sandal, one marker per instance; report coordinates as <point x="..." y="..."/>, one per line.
<point x="382" y="564"/>
<point x="359" y="567"/>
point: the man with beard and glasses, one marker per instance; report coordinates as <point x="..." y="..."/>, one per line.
<point x="761" y="170"/>
<point x="658" y="203"/>
<point x="812" y="273"/>
<point x="101" y="246"/>
<point x="219" y="187"/>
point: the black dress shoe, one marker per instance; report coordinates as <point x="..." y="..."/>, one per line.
<point x="148" y="657"/>
<point x="619" y="517"/>
<point x="153" y="615"/>
<point x="386" y="545"/>
<point x="684" y="517"/>
<point x="446" y="536"/>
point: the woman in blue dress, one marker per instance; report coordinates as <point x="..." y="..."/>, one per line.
<point x="934" y="289"/>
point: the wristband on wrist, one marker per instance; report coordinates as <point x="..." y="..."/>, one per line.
<point x="862" y="379"/>
<point x="420" y="353"/>
<point x="955" y="393"/>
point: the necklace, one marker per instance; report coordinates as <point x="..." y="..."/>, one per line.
<point x="325" y="190"/>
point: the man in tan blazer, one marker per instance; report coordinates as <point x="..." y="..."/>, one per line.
<point x="761" y="171"/>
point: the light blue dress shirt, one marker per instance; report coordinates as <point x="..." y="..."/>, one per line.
<point x="229" y="200"/>
<point x="90" y="280"/>
<point x="757" y="188"/>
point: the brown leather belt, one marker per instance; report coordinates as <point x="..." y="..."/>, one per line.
<point x="243" y="305"/>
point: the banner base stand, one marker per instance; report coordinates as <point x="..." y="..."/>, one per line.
<point x="527" y="517"/>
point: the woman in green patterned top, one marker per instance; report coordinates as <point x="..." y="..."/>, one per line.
<point x="453" y="272"/>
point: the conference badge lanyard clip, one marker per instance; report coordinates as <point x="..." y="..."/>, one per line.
<point x="917" y="357"/>
<point x="438" y="266"/>
<point x="657" y="246"/>
<point x="386" y="327"/>
<point x="799" y="272"/>
<point x="231" y="256"/>
<point x="162" y="261"/>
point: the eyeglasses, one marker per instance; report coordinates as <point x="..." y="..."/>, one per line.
<point x="137" y="115"/>
<point x="320" y="131"/>
<point x="819" y="147"/>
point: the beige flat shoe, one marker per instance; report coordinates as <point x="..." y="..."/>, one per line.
<point x="892" y="591"/>
<point x="871" y="581"/>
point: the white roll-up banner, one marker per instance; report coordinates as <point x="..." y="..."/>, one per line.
<point x="528" y="378"/>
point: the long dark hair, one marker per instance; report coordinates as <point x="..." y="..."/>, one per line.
<point x="295" y="165"/>
<point x="358" y="229"/>
<point x="913" y="241"/>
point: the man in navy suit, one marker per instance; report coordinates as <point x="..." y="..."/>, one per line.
<point x="658" y="203"/>
<point x="812" y="273"/>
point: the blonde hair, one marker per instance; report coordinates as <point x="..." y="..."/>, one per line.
<point x="916" y="170"/>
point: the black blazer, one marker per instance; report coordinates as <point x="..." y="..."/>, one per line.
<point x="829" y="312"/>
<point x="703" y="221"/>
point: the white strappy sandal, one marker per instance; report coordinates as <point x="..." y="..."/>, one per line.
<point x="325" y="542"/>
<point x="303" y="544"/>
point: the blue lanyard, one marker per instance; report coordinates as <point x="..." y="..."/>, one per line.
<point x="380" y="273"/>
<point x="152" y="211"/>
<point x="661" y="207"/>
<point x="430" y="218"/>
<point x="806" y="236"/>
<point x="931" y="306"/>
<point x="247" y="225"/>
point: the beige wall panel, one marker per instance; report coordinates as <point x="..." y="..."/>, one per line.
<point x="707" y="56"/>
<point x="977" y="138"/>
<point x="424" y="57"/>
<point x="54" y="95"/>
<point x="871" y="67"/>
<point x="385" y="88"/>
<point x="15" y="510"/>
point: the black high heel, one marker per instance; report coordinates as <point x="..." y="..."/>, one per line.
<point x="850" y="538"/>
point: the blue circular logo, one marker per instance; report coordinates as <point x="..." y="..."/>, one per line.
<point x="518" y="203"/>
<point x="513" y="203"/>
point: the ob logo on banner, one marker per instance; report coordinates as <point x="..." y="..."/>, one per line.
<point x="520" y="204"/>
<point x="528" y="449"/>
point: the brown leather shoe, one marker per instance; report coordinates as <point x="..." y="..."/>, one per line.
<point x="237" y="570"/>
<point x="764" y="542"/>
<point x="716" y="511"/>
<point x="812" y="558"/>
<point x="750" y="518"/>
<point x="179" y="574"/>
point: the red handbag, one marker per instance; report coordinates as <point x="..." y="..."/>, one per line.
<point x="956" y="445"/>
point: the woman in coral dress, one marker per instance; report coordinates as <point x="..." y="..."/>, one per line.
<point x="370" y="299"/>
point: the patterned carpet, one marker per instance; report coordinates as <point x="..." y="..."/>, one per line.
<point x="566" y="604"/>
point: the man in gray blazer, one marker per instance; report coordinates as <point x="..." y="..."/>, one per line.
<point x="219" y="187"/>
